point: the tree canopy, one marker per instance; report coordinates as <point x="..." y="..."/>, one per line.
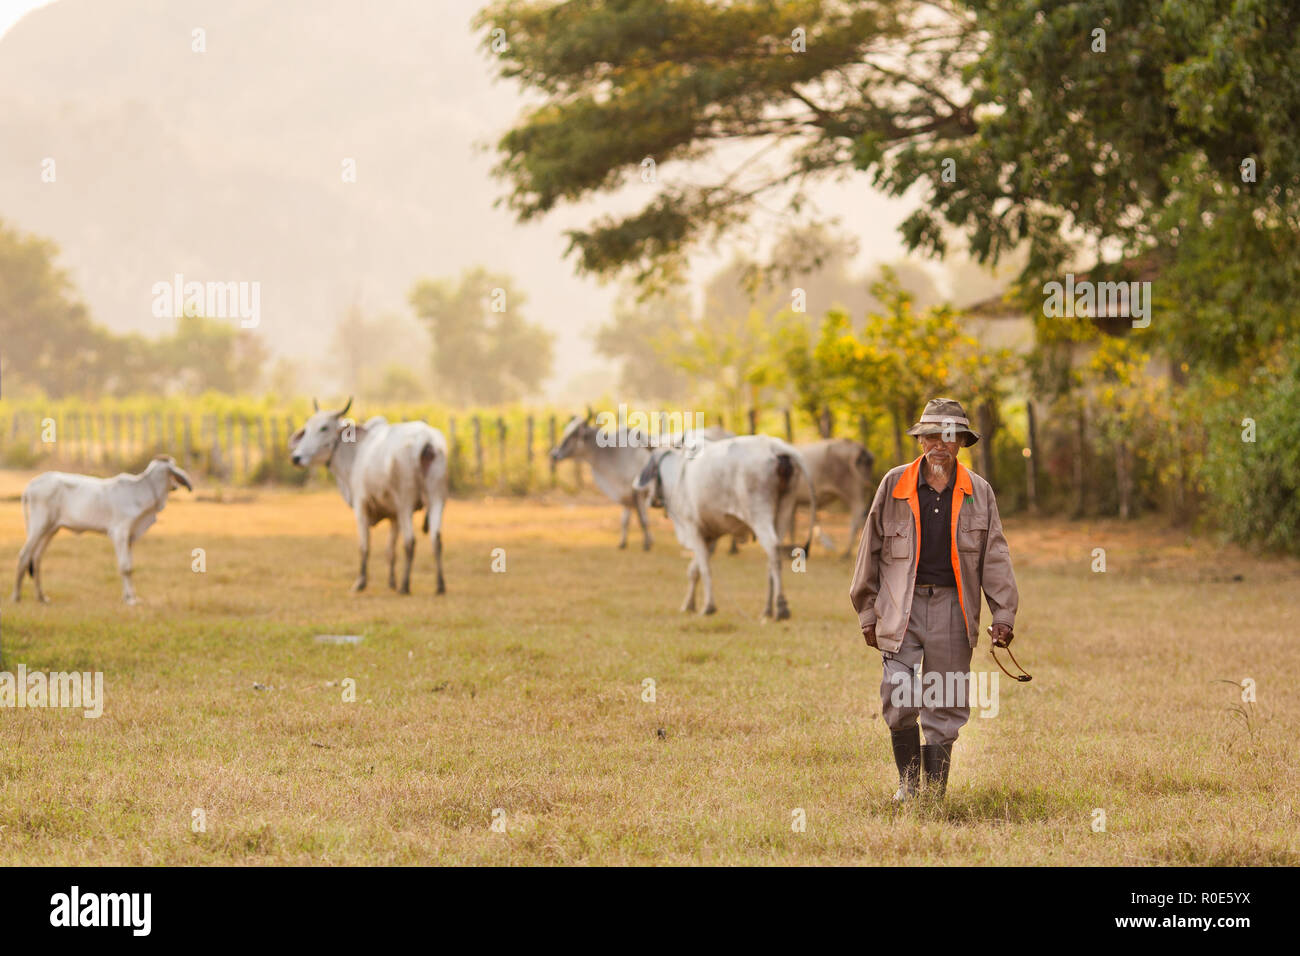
<point x="1089" y="133"/>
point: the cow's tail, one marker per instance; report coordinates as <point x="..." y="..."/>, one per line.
<point x="786" y="462"/>
<point x="433" y="492"/>
<point x="27" y="525"/>
<point x="428" y="455"/>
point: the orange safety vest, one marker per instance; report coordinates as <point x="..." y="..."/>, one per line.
<point x="906" y="488"/>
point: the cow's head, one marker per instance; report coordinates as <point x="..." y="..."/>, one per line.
<point x="651" y="476"/>
<point x="176" y="477"/>
<point x="579" y="433"/>
<point x="315" y="442"/>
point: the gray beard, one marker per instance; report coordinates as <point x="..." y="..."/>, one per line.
<point x="931" y="471"/>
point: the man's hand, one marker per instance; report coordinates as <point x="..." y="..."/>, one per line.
<point x="869" y="635"/>
<point x="1001" y="634"/>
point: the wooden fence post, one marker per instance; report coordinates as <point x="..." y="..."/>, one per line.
<point x="789" y="426"/>
<point x="501" y="451"/>
<point x="550" y="427"/>
<point x="528" y="444"/>
<point x="753" y="421"/>
<point x="453" y="466"/>
<point x="478" y="450"/>
<point x="1080" y="472"/>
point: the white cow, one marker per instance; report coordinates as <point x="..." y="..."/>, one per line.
<point x="733" y="486"/>
<point x="122" y="507"/>
<point x="384" y="472"/>
<point x="613" y="468"/>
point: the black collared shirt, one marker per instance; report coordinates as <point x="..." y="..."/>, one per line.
<point x="934" y="562"/>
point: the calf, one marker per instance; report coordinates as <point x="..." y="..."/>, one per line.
<point x="122" y="507"/>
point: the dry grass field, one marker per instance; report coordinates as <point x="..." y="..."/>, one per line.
<point x="522" y="691"/>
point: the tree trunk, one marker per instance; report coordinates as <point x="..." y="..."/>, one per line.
<point x="898" y="436"/>
<point x="1124" y="479"/>
<point x="1031" y="462"/>
<point x="987" y="429"/>
<point x="1080" y="443"/>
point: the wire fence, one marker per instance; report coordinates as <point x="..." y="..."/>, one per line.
<point x="503" y="452"/>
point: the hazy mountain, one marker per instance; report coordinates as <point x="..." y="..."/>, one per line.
<point x="226" y="164"/>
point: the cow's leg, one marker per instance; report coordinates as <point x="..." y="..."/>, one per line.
<point x="38" y="555"/>
<point x="433" y="525"/>
<point x="121" y="538"/>
<point x="644" y="518"/>
<point x="392" y="555"/>
<point x="702" y="555"/>
<point x="770" y="541"/>
<point x="692" y="579"/>
<point x="407" y="527"/>
<point x="29" y="560"/>
<point x="787" y="517"/>
<point x="622" y="540"/>
<point x="437" y="554"/>
<point x="25" y="558"/>
<point x="363" y="534"/>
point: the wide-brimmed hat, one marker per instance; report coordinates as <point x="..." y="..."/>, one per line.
<point x="945" y="414"/>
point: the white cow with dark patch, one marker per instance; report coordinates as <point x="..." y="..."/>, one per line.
<point x="733" y="486"/>
<point x="123" y="507"/>
<point x="385" y="472"/>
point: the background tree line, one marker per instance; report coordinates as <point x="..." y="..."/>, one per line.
<point x="483" y="349"/>
<point x="1136" y="141"/>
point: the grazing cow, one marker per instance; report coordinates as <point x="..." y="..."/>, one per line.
<point x="840" y="468"/>
<point x="613" y="468"/>
<point x="122" y="507"/>
<point x="384" y="472"/>
<point x="731" y="486"/>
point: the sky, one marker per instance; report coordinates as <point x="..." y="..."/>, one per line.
<point x="11" y="11"/>
<point x="468" y="115"/>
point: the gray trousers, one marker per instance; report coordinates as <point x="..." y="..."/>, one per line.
<point x="935" y="642"/>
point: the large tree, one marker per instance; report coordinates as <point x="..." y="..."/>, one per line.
<point x="1084" y="133"/>
<point x="804" y="88"/>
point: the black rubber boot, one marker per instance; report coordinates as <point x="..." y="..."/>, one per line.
<point x="935" y="761"/>
<point x="907" y="755"/>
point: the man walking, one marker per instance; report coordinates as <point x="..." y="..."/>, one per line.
<point x="933" y="540"/>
